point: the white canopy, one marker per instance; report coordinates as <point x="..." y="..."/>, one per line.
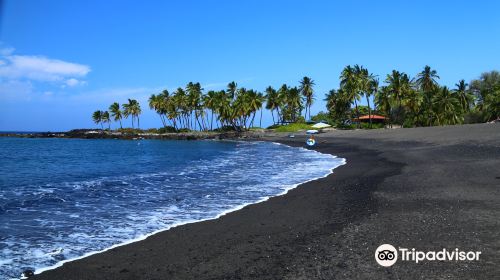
<point x="321" y="125"/>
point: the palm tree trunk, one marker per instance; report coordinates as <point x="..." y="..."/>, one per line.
<point x="389" y="114"/>
<point x="138" y="125"/>
<point x="251" y="123"/>
<point x="399" y="111"/>
<point x="212" y="120"/>
<point x="369" y="110"/>
<point x="203" y="122"/>
<point x="198" y="121"/>
<point x="357" y="113"/>
<point x="272" y="114"/>
<point x="162" y="120"/>
<point x="260" y="121"/>
<point x="120" y="123"/>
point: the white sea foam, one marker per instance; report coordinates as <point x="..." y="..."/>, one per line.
<point x="212" y="205"/>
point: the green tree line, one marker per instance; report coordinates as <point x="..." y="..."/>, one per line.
<point x="418" y="101"/>
<point x="403" y="100"/>
<point x="235" y="107"/>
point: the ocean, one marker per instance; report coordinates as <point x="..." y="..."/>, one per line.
<point x="62" y="199"/>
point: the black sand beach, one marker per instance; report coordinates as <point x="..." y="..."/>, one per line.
<point x="424" y="188"/>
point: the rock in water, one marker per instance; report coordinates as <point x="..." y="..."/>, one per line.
<point x="28" y="273"/>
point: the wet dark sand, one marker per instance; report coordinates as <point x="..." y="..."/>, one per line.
<point x="424" y="188"/>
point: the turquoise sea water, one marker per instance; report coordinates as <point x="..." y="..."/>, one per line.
<point x="61" y="199"/>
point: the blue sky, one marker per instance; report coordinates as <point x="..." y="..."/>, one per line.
<point x="61" y="60"/>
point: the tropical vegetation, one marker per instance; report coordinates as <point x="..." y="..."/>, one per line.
<point x="418" y="101"/>
<point x="403" y="100"/>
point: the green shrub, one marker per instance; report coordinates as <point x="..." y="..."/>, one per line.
<point x="293" y="127"/>
<point x="301" y="119"/>
<point x="474" y="117"/>
<point x="273" y="126"/>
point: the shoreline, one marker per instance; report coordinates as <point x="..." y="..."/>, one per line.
<point x="99" y="134"/>
<point x="329" y="228"/>
<point x="237" y="208"/>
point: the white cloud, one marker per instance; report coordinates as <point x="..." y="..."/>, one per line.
<point x="40" y="68"/>
<point x="72" y="82"/>
<point x="19" y="72"/>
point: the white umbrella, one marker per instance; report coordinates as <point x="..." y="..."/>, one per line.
<point x="321" y="125"/>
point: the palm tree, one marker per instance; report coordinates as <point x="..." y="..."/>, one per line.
<point x="447" y="105"/>
<point x="282" y="100"/>
<point x="372" y="90"/>
<point x="395" y="85"/>
<point x="487" y="94"/>
<point x="181" y="107"/>
<point x="231" y="89"/>
<point x="383" y="101"/>
<point x="136" y="111"/>
<point x="427" y="82"/>
<point x="306" y="89"/>
<point x="132" y="108"/>
<point x="294" y="103"/>
<point x="338" y="104"/>
<point x="225" y="109"/>
<point x="413" y="100"/>
<point x="272" y="102"/>
<point x="290" y="103"/>
<point x="116" y="113"/>
<point x="254" y="101"/>
<point x="106" y="119"/>
<point x="491" y="104"/>
<point x="127" y="111"/>
<point x="195" y="93"/>
<point x="97" y="117"/>
<point x="209" y="101"/>
<point x="349" y="84"/>
<point x="427" y="79"/>
<point x="465" y="97"/>
<point x="365" y="83"/>
<point x="261" y="98"/>
<point x="399" y="86"/>
<point x="157" y="103"/>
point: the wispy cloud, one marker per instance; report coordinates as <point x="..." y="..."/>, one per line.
<point x="40" y="68"/>
<point x="22" y="75"/>
<point x="72" y="82"/>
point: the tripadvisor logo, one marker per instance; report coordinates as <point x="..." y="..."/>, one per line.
<point x="386" y="255"/>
